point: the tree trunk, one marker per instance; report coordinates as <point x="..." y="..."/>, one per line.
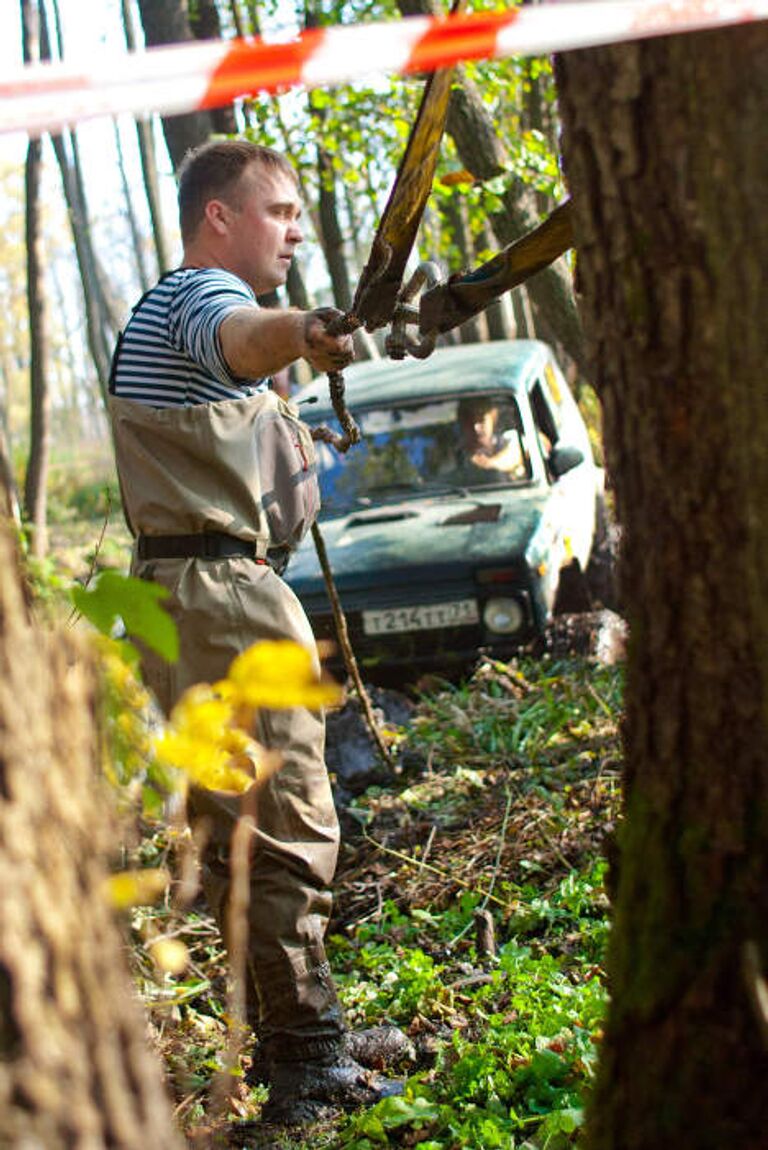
<point x="148" y="159"/>
<point x="329" y="230"/>
<point x="482" y="153"/>
<point x="550" y="291"/>
<point x="331" y="237"/>
<point x="101" y="325"/>
<point x="75" y="1069"/>
<point x="475" y="330"/>
<point x="133" y="226"/>
<point x="10" y="504"/>
<point x="167" y="22"/>
<point x="296" y="288"/>
<point x="36" y="479"/>
<point x="205" y="24"/>
<point x="668" y="174"/>
<point x="101" y="321"/>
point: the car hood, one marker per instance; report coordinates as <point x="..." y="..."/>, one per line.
<point x="488" y="527"/>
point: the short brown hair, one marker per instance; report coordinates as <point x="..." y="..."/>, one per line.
<point x="213" y="170"/>
<point x="474" y="406"/>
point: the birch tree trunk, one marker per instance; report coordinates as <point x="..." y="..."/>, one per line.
<point x="664" y="146"/>
<point x="36" y="478"/>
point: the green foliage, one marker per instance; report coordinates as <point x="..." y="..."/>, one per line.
<point x="518" y="1031"/>
<point x="519" y="1045"/>
<point x="141" y="783"/>
<point x="137" y="603"/>
<point x="572" y="703"/>
<point x="507" y="1040"/>
<point x="140" y="780"/>
<point x="364" y="128"/>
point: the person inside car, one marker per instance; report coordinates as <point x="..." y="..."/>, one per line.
<point x="489" y="436"/>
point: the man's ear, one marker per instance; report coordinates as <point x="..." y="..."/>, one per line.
<point x="218" y="215"/>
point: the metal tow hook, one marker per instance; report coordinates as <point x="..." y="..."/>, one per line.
<point x="399" y="342"/>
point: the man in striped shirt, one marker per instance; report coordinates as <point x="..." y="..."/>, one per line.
<point x="199" y="335"/>
<point x="216" y="473"/>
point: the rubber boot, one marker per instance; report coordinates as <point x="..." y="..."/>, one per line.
<point x="375" y="1048"/>
<point x="306" y="1090"/>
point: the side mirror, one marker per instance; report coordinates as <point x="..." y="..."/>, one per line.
<point x="563" y="458"/>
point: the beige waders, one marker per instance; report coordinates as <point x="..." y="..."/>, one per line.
<point x="244" y="470"/>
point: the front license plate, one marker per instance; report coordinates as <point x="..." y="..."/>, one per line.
<point x="425" y="618"/>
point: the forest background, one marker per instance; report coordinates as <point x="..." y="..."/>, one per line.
<point x="669" y="189"/>
<point x="109" y="187"/>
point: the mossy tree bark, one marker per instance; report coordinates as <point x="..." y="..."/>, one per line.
<point x="665" y="155"/>
<point x="75" y="1067"/>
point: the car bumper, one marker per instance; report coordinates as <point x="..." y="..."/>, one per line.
<point x="433" y="647"/>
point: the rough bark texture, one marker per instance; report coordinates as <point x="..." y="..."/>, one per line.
<point x="75" y="1070"/>
<point x="665" y="155"/>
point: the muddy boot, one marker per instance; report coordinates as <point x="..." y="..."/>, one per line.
<point x="379" y="1047"/>
<point x="375" y="1048"/>
<point x="308" y="1090"/>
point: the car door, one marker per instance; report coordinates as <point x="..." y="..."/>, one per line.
<point x="559" y="424"/>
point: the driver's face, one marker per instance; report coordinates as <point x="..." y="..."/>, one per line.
<point x="479" y="427"/>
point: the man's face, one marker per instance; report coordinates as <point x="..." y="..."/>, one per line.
<point x="264" y="227"/>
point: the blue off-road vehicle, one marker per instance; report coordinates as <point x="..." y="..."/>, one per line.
<point x="449" y="528"/>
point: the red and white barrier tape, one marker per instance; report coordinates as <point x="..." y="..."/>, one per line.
<point x="208" y="74"/>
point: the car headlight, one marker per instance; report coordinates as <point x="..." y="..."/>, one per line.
<point x="503" y="616"/>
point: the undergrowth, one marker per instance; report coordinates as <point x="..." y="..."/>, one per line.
<point x="470" y="911"/>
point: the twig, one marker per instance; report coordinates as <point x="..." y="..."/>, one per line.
<point x="94" y="558"/>
<point x="237" y="946"/>
<point x="350" y="662"/>
<point x="421" y="865"/>
<point x="428" y="847"/>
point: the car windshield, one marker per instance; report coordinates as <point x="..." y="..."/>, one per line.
<point x="425" y="448"/>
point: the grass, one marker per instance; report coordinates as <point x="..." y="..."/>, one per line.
<point x="470" y="911"/>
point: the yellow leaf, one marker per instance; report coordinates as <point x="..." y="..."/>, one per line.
<point x="136" y="887"/>
<point x="279" y="674"/>
<point x="207" y="764"/>
<point x="205" y="743"/>
<point x="170" y="954"/>
<point x="451" y="179"/>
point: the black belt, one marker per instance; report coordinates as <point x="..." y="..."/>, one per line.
<point x="208" y="545"/>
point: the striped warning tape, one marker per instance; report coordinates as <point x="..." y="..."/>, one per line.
<point x="189" y="77"/>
